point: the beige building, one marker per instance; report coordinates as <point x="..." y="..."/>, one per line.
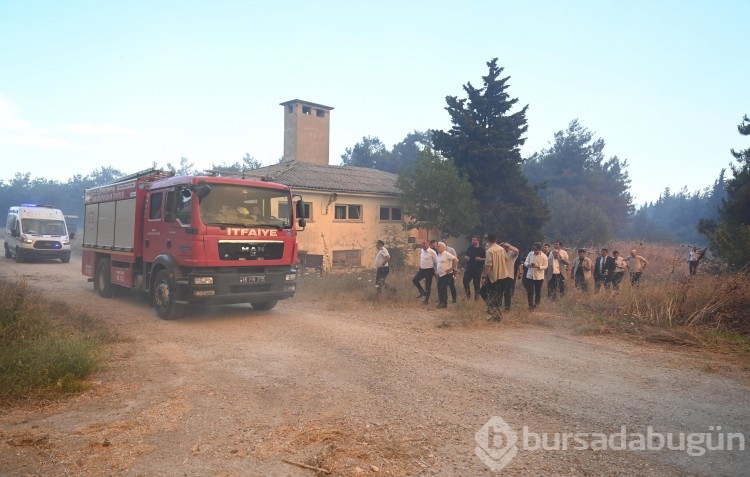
<point x="347" y="208"/>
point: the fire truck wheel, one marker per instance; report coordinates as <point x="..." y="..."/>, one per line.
<point x="164" y="296"/>
<point x="19" y="256"/>
<point x="7" y="251"/>
<point x="101" y="281"/>
<point x="263" y="305"/>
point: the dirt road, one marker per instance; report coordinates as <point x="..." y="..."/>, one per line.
<point x="229" y="391"/>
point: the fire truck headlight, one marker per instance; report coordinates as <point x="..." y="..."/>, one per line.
<point x="290" y="277"/>
<point x="25" y="239"/>
<point x="203" y="280"/>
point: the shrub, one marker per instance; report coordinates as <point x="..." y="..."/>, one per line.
<point x="39" y="355"/>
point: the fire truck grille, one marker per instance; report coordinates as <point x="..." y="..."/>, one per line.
<point x="47" y="245"/>
<point x="251" y="250"/>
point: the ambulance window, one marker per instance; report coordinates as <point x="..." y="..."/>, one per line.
<point x="154" y="210"/>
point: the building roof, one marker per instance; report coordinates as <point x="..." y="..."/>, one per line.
<point x="309" y="103"/>
<point x="305" y="175"/>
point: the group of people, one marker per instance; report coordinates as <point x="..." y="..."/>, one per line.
<point x="493" y="268"/>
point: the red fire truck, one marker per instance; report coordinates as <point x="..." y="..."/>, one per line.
<point x="192" y="239"/>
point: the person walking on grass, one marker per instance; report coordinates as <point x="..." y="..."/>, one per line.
<point x="446" y="269"/>
<point x="636" y="265"/>
<point x="580" y="272"/>
<point x="452" y="284"/>
<point x="381" y="266"/>
<point x="474" y="259"/>
<point x="427" y="268"/>
<point x="556" y="271"/>
<point x="604" y="269"/>
<point x="495" y="268"/>
<point x="536" y="263"/>
<point x="509" y="282"/>
<point x="620" y="267"/>
<point x="693" y="260"/>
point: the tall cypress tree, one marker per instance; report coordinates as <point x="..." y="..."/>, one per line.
<point x="484" y="144"/>
<point x="730" y="238"/>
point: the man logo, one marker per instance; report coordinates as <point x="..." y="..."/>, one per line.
<point x="496" y="443"/>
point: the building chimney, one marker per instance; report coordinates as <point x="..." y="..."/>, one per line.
<point x="307" y="130"/>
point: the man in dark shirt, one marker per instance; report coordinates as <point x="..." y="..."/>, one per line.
<point x="604" y="269"/>
<point x="474" y="259"/>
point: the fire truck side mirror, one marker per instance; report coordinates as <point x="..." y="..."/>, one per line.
<point x="202" y="190"/>
<point x="300" y="212"/>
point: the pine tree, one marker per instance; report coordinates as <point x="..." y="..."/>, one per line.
<point x="576" y="164"/>
<point x="484" y="144"/>
<point x="730" y="238"/>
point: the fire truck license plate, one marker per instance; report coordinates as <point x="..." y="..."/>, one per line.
<point x="253" y="279"/>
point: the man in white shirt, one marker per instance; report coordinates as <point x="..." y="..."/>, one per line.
<point x="556" y="271"/>
<point x="446" y="268"/>
<point x="427" y="268"/>
<point x="537" y="263"/>
<point x="452" y="284"/>
<point x="381" y="265"/>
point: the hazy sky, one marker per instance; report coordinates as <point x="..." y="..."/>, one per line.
<point x="86" y="84"/>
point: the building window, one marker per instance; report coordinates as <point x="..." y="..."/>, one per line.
<point x="306" y="110"/>
<point x="346" y="258"/>
<point x="390" y="213"/>
<point x="348" y="212"/>
<point x="290" y="108"/>
<point x="284" y="210"/>
<point x="321" y="113"/>
<point x="307" y="206"/>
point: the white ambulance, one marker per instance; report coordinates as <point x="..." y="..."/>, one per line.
<point x="36" y="231"/>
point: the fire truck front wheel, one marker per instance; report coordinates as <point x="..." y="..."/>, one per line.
<point x="164" y="296"/>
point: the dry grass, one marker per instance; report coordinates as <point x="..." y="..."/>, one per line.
<point x="347" y="448"/>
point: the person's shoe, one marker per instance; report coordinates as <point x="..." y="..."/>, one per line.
<point x="442" y="305"/>
<point x="426" y="301"/>
<point x="453" y="301"/>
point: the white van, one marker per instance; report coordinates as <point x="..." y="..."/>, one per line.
<point x="36" y="231"/>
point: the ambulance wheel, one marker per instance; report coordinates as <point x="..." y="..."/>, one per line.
<point x="263" y="305"/>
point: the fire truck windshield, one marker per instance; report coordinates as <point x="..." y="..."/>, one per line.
<point x="246" y="206"/>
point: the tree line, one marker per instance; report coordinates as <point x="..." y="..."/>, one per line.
<point x="472" y="178"/>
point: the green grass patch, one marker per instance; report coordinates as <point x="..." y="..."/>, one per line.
<point x="46" y="348"/>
